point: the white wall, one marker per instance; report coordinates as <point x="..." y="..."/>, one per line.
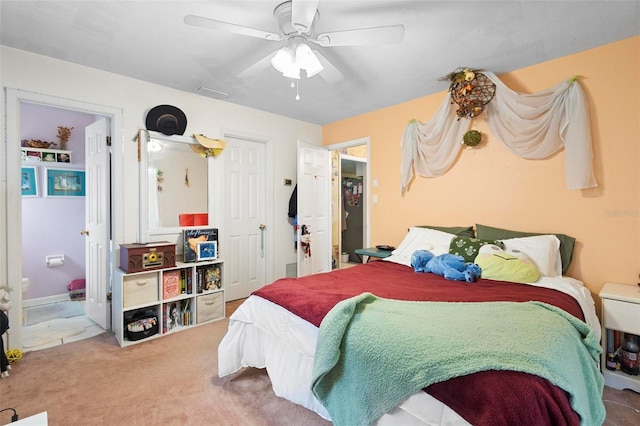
<point x="34" y="73"/>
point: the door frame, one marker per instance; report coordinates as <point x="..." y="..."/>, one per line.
<point x="365" y="201"/>
<point x="11" y="229"/>
<point x="367" y="189"/>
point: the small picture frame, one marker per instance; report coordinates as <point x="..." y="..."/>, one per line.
<point x="49" y="157"/>
<point x="29" y="182"/>
<point x="207" y="250"/>
<point x="65" y="183"/>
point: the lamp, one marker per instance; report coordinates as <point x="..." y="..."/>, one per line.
<point x="208" y="147"/>
<point x="291" y="59"/>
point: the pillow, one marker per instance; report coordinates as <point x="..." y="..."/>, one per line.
<point x="461" y="231"/>
<point x="469" y="248"/>
<point x="566" y="242"/>
<point x="417" y="238"/>
<point x="513" y="266"/>
<point x="543" y="250"/>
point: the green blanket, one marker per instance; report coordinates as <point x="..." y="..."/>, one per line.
<point x="373" y="353"/>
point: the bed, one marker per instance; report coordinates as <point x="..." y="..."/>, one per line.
<point x="380" y="343"/>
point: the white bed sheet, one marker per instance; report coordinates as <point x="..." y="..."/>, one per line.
<point x="262" y="334"/>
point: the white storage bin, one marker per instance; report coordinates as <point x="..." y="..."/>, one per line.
<point x="209" y="307"/>
<point x="140" y="289"/>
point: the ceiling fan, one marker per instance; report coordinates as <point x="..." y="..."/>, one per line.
<point x="296" y="20"/>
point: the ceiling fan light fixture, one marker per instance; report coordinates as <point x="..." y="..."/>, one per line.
<point x="283" y="60"/>
<point x="307" y="60"/>
<point x="293" y="72"/>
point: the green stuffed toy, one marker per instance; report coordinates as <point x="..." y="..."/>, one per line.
<point x="506" y="265"/>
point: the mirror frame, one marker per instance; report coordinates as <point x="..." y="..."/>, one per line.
<point x="171" y="234"/>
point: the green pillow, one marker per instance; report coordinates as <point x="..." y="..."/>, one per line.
<point x="507" y="266"/>
<point x="461" y="231"/>
<point x="469" y="248"/>
<point x="566" y="242"/>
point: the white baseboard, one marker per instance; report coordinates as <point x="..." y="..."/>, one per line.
<point x="27" y="303"/>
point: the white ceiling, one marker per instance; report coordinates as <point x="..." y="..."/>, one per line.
<point x="148" y="40"/>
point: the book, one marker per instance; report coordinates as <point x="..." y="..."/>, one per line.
<point x="186" y="313"/>
<point x="192" y="237"/>
<point x="171" y="316"/>
<point x="212" y="277"/>
<point x="188" y="281"/>
<point x="170" y="284"/>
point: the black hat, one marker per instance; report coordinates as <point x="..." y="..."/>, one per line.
<point x="167" y="119"/>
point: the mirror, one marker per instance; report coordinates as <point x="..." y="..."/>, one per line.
<point x="173" y="185"/>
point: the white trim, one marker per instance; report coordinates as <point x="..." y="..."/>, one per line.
<point x="357" y="142"/>
<point x="13" y="220"/>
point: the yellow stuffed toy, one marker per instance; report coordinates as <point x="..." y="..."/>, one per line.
<point x="5" y="305"/>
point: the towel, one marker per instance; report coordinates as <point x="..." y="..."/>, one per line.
<point x="373" y="353"/>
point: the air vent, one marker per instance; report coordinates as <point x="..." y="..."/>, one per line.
<point x="291" y="270"/>
<point x="213" y="93"/>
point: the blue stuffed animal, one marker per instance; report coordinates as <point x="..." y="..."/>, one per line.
<point x="450" y="266"/>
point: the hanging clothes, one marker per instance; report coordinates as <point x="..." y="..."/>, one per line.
<point x="293" y="203"/>
<point x="293" y="213"/>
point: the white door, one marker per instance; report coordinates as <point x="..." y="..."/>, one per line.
<point x="245" y="232"/>
<point x="314" y="209"/>
<point x="97" y="218"/>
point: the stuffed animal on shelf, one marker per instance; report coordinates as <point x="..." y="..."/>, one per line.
<point x="5" y="305"/>
<point x="450" y="266"/>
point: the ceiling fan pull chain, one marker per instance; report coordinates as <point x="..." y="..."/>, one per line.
<point x="297" y="90"/>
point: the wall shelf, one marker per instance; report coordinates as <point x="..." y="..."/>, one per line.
<point x="45" y="155"/>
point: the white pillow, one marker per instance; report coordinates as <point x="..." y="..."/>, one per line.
<point x="543" y="250"/>
<point x="437" y="242"/>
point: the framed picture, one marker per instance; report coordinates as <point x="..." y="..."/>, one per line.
<point x="29" y="182"/>
<point x="65" y="183"/>
<point x="207" y="250"/>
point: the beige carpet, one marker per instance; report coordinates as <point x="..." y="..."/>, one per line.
<point x="169" y="381"/>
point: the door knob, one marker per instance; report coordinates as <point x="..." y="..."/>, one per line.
<point x="84" y="232"/>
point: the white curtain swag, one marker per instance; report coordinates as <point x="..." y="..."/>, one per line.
<point x="532" y="126"/>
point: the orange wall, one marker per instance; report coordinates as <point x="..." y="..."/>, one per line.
<point x="492" y="186"/>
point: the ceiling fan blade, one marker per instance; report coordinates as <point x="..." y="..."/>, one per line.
<point x="257" y="67"/>
<point x="302" y="14"/>
<point x="200" y="21"/>
<point x="391" y="34"/>
<point x="330" y="73"/>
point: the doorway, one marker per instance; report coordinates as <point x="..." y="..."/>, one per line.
<point x="353" y="171"/>
<point x="350" y="207"/>
<point x="68" y="254"/>
<point x="54" y="268"/>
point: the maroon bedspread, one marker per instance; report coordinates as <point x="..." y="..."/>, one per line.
<point x="484" y="398"/>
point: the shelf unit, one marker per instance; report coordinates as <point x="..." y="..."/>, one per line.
<point x="621" y="312"/>
<point x="143" y="295"/>
<point x="45" y="155"/>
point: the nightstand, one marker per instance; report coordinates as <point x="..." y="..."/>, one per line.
<point x="620" y="311"/>
<point x="372" y="252"/>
